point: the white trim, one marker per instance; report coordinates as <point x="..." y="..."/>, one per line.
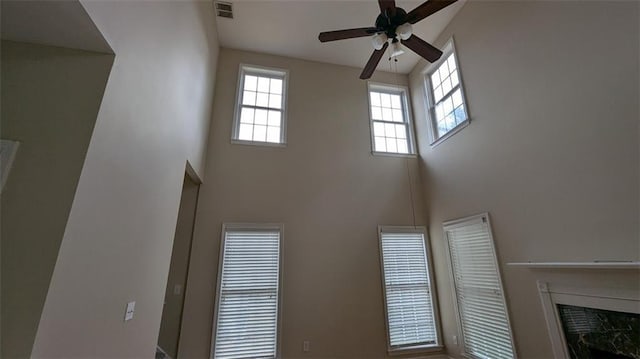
<point x="258" y="143"/>
<point x="580" y="265"/>
<point x="448" y="49"/>
<point x="461" y="222"/>
<point x="406" y="109"/>
<point x="412" y="349"/>
<point x="451" y="132"/>
<point x="273" y="72"/>
<point x="249" y="227"/>
<point x="391" y="154"/>
<point x="616" y="299"/>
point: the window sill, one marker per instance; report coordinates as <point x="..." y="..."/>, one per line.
<point x="452" y="132"/>
<point x="391" y="154"/>
<point x="417" y="349"/>
<point x="257" y="143"/>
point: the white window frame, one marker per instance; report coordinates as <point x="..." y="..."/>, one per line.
<point x="448" y="49"/>
<point x="406" y="110"/>
<point x="258" y="227"/>
<point x="451" y="224"/>
<point x="411" y="349"/>
<point x="283" y="74"/>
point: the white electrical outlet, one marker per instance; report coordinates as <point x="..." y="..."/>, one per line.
<point x="128" y="314"/>
<point x="305" y="346"/>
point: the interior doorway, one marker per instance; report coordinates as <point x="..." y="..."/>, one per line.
<point x="169" y="337"/>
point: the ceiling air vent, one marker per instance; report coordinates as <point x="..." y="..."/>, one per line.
<point x="224" y="9"/>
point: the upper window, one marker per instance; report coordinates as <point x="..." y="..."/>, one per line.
<point x="261" y="103"/>
<point x="480" y="301"/>
<point x="447" y="109"/>
<point x="246" y="323"/>
<point x="408" y="292"/>
<point x="390" y="125"/>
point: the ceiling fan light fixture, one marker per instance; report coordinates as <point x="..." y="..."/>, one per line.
<point x="378" y="40"/>
<point x="404" y="31"/>
<point x="396" y="50"/>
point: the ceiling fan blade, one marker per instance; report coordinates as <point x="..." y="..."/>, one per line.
<point x="387" y="5"/>
<point x="422" y="48"/>
<point x="346" y="34"/>
<point x="371" y="65"/>
<point x="426" y="9"/>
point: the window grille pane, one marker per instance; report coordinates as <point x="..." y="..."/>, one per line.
<point x="395" y="102"/>
<point x="485" y="326"/>
<point x="397" y="115"/>
<point x="259" y="133"/>
<point x="247" y="115"/>
<point x="251" y="83"/>
<point x="261" y="117"/>
<point x="390" y="130"/>
<point x="275" y="101"/>
<point x="375" y="98"/>
<point x="391" y="145"/>
<point x="263" y="84"/>
<point x="401" y="131"/>
<point x="262" y="99"/>
<point x="249" y="98"/>
<point x="380" y="144"/>
<point x="457" y="98"/>
<point x="444" y="71"/>
<point x="385" y="100"/>
<point x="437" y="93"/>
<point x="403" y="146"/>
<point x="248" y="304"/>
<point x="452" y="62"/>
<point x="273" y="134"/>
<point x="387" y="114"/>
<point x="435" y="79"/>
<point x="274" y="118"/>
<point x="276" y="87"/>
<point x="246" y="132"/>
<point x="410" y="318"/>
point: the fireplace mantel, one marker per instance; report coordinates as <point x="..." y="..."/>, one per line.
<point x="633" y="265"/>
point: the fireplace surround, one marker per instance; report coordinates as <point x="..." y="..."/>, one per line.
<point x="588" y="322"/>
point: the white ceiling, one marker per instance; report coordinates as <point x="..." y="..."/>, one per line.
<point x="291" y="28"/>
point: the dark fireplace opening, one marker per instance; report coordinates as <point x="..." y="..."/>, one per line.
<point x="597" y="333"/>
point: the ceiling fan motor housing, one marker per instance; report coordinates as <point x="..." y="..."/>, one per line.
<point x="388" y="23"/>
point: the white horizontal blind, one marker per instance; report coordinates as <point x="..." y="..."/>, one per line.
<point x="248" y="303"/>
<point x="483" y="315"/>
<point x="410" y="318"/>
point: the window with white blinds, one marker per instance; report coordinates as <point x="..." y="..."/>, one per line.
<point x="485" y="325"/>
<point x="407" y="289"/>
<point x="248" y="290"/>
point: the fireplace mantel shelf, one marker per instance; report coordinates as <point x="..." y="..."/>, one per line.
<point x="578" y="265"/>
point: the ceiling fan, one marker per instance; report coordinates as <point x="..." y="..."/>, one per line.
<point x="393" y="23"/>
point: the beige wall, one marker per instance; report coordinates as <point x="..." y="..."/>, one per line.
<point x="117" y="243"/>
<point x="50" y="100"/>
<point x="330" y="193"/>
<point x="552" y="149"/>
<point x="173" y="301"/>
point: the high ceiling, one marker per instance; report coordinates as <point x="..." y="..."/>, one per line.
<point x="290" y="28"/>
